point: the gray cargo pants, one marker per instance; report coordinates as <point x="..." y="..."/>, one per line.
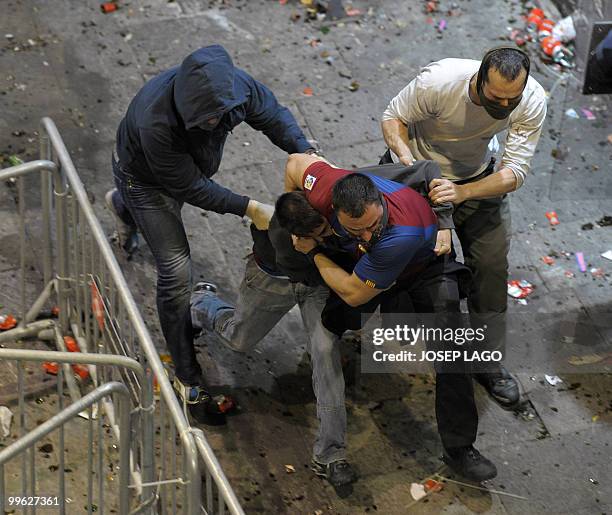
<point x="262" y="301"/>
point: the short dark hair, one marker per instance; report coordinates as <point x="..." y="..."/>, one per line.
<point x="507" y="61"/>
<point x="353" y="194"/>
<point x="295" y="214"/>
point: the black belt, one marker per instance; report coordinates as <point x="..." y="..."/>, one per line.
<point x="486" y="172"/>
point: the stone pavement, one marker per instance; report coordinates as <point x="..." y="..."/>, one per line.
<point x="67" y="60"/>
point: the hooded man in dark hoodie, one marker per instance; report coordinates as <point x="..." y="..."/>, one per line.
<point x="169" y="145"/>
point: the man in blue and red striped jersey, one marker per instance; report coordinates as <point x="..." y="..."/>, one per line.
<point x="391" y="232"/>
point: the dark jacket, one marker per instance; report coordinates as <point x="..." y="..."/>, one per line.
<point x="159" y="141"/>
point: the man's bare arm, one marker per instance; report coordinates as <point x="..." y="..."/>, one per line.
<point x="396" y="137"/>
<point x="349" y="287"/>
<point x="295" y="168"/>
<point x="495" y="185"/>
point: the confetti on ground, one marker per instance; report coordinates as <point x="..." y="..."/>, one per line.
<point x="572" y="113"/>
<point x="587" y="113"/>
<point x="552" y="217"/>
<point x="553" y="380"/>
<point x="548" y="260"/>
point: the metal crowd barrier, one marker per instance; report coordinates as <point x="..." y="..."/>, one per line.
<point x="172" y="468"/>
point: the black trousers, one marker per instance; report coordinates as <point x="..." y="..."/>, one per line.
<point x="436" y="293"/>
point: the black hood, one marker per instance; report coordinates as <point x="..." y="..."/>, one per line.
<point x="204" y="86"/>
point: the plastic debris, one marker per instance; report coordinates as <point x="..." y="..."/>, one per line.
<point x="597" y="272"/>
<point x="290" y="469"/>
<point x="569" y="274"/>
<point x="442" y="26"/>
<point x="7" y="322"/>
<point x="588" y="114"/>
<point x="307" y="91"/>
<point x="417" y="490"/>
<point x="572" y="113"/>
<point x="564" y="30"/>
<point x="225" y="403"/>
<point x="431" y="485"/>
<point x="108" y="7"/>
<point x="580" y="261"/>
<point x="548" y="260"/>
<point x="97" y="306"/>
<point x="607" y="255"/>
<point x="552" y="218"/>
<point x="520" y="289"/>
<point x="431" y="6"/>
<point x="545" y="29"/>
<point x="353" y="12"/>
<point x="354" y="86"/>
<point x="534" y="18"/>
<point x="6" y="417"/>
<point x="553" y="380"/>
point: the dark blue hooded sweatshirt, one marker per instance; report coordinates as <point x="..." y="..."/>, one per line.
<point x="159" y="141"/>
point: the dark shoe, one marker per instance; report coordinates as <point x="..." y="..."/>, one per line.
<point x="202" y="407"/>
<point x="502" y="387"/>
<point x="470" y="464"/>
<point x="125" y="234"/>
<point x="338" y="473"/>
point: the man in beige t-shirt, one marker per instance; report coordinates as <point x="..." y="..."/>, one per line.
<point x="451" y="113"/>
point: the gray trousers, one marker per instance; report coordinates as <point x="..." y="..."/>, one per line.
<point x="262" y="301"/>
<point x="484" y="230"/>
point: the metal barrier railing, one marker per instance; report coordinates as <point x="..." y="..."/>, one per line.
<point x="81" y="274"/>
<point x="33" y="481"/>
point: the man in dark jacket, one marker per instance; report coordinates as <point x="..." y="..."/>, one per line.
<point x="169" y="145"/>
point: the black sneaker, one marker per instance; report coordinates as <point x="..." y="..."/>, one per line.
<point x="338" y="473"/>
<point x="202" y="407"/>
<point x="470" y="464"/>
<point x="502" y="387"/>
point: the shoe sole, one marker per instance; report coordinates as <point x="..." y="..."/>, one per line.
<point x="319" y="473"/>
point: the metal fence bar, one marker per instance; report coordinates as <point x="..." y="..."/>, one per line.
<point x="190" y="449"/>
<point x="81" y="251"/>
<point x="27" y="441"/>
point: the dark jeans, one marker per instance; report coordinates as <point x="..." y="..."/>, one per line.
<point x="433" y="292"/>
<point x="438" y="294"/>
<point x="158" y="218"/>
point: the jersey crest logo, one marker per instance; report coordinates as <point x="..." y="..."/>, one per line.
<point x="309" y="182"/>
<point x="371" y="284"/>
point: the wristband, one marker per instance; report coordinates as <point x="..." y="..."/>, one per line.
<point x="312" y="253"/>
